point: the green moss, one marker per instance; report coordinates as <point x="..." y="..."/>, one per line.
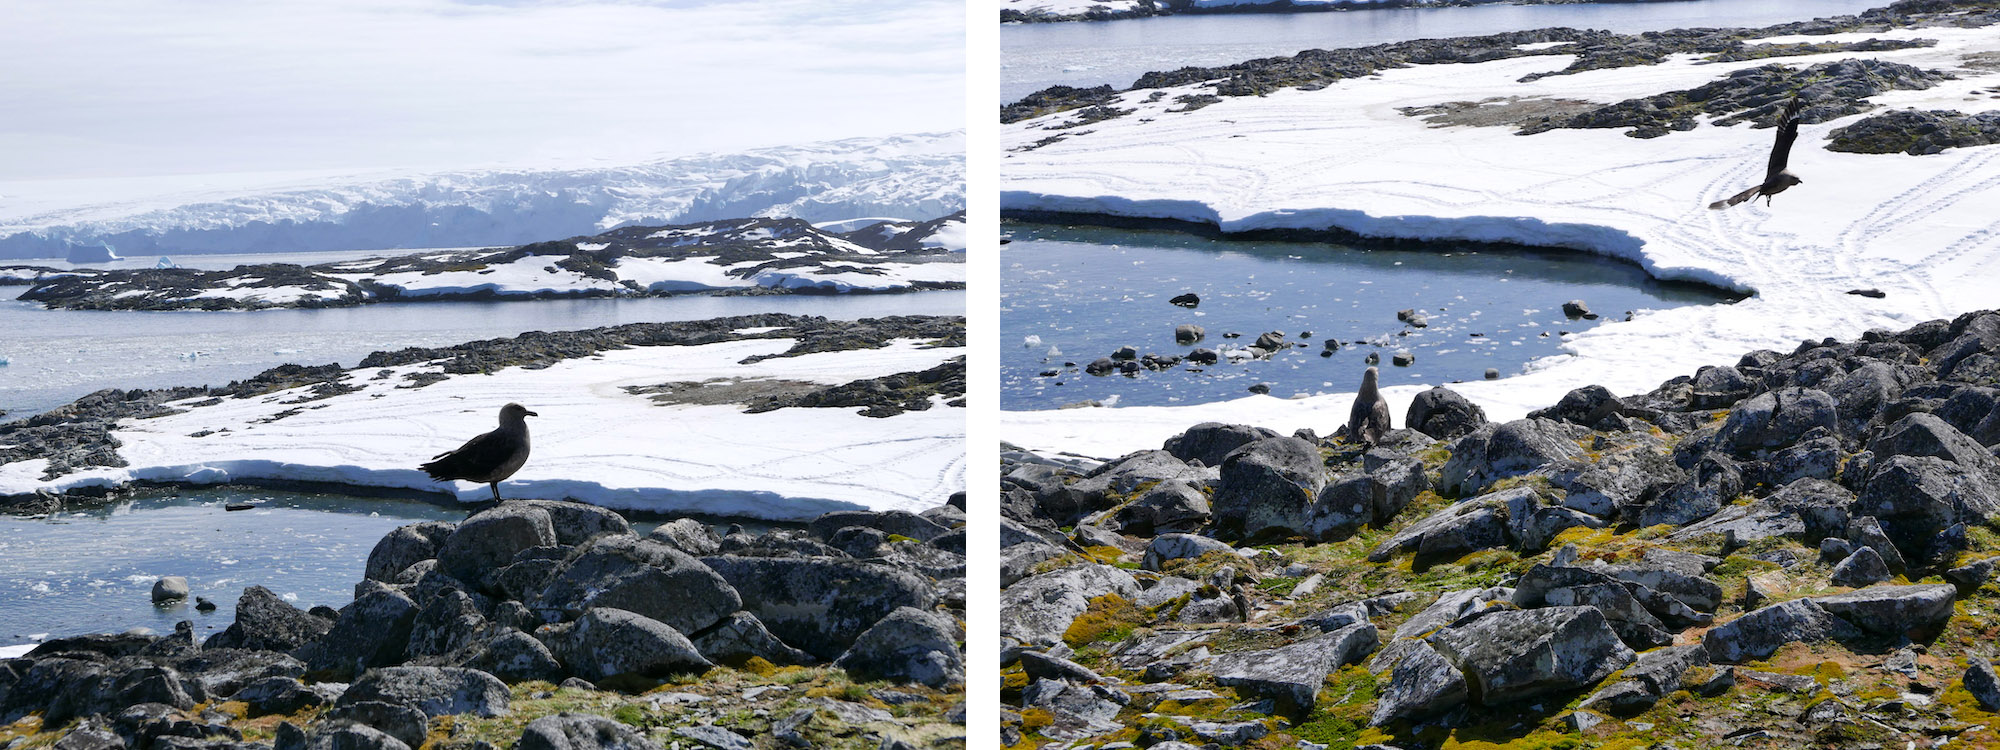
<point x="1108" y="618"/>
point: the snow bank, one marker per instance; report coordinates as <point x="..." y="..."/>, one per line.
<point x="1921" y="229"/>
<point x="594" y="441"/>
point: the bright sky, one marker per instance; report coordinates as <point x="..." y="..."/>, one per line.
<point x="131" y="88"/>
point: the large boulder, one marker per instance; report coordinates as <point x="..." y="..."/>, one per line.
<point x="608" y="642"/>
<point x="1423" y="683"/>
<point x="1293" y="675"/>
<point x="908" y="646"/>
<point x="576" y="522"/>
<point x="1495" y="452"/>
<point x="1038" y="609"/>
<point x="1166" y="547"/>
<point x="1443" y="414"/>
<point x="1267" y="485"/>
<point x="1714" y="482"/>
<point x="687" y="535"/>
<point x="1471" y="525"/>
<point x="1170" y="506"/>
<point x="404" y="547"/>
<point x="372" y="631"/>
<point x="436" y="691"/>
<point x="448" y="622"/>
<point x="266" y="622"/>
<point x="512" y="656"/>
<point x="1210" y="442"/>
<point x="638" y="575"/>
<point x="1924" y="434"/>
<point x="1655" y="675"/>
<point x="821" y="605"/>
<point x="1762" y="632"/>
<point x="491" y="538"/>
<point x="568" y="731"/>
<point x="1514" y="655"/>
<point x="1916" y="497"/>
<point x="741" y="637"/>
<point x="1775" y="419"/>
<point x="1893" y="610"/>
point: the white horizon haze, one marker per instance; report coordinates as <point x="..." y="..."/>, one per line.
<point x="126" y="89"/>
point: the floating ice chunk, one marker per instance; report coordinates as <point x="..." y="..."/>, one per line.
<point x="1031" y="341"/>
<point x="207" y="475"/>
<point x="165" y="262"/>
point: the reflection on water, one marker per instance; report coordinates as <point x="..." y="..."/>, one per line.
<point x="1082" y="292"/>
<point x="1036" y="56"/>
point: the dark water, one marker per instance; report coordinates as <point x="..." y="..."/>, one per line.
<point x="1085" y="291"/>
<point x="92" y="570"/>
<point x="55" y="356"/>
<point x="1036" y="56"/>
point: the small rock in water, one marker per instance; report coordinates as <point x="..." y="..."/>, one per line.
<point x="170" y="589"/>
<point x="202" y="604"/>
<point x="1204" y="356"/>
<point x="1272" y="341"/>
<point x="1188" y="334"/>
<point x="1231" y="335"/>
<point x="1125" y="352"/>
<point x="1332" y="345"/>
<point x="1051" y="373"/>
<point x="1100" y="366"/>
<point x="1403" y="359"/>
<point x="1869" y="293"/>
<point x="1414" y="317"/>
<point x="1305" y="334"/>
<point x="1577" y="309"/>
<point x="1492" y="374"/>
<point x="1374" y="358"/>
<point x="1187" y="300"/>
<point x="1261" y="388"/>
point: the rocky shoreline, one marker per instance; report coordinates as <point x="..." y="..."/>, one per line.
<point x="548" y="624"/>
<point x="79" y="435"/>
<point x="733" y="257"/>
<point x="1151" y="8"/>
<point x="1795" y="550"/>
<point x="1746" y="95"/>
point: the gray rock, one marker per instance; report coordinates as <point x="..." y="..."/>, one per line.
<point x="568" y="731"/>
<point x="1211" y="442"/>
<point x="687" y="535"/>
<point x="170" y="589"/>
<point x="577" y="522"/>
<point x="900" y="523"/>
<point x="821" y="605"/>
<point x="279" y="695"/>
<point x="742" y="636"/>
<point x="1775" y="419"/>
<point x="709" y="735"/>
<point x="1039" y="609"/>
<point x="1509" y="656"/>
<point x="1471" y="525"/>
<point x="642" y="576"/>
<point x="908" y="646"/>
<point x="1762" y="632"/>
<point x="1718" y="386"/>
<point x="1920" y="496"/>
<point x="608" y="642"/>
<point x="1042" y="666"/>
<point x="1860" y="569"/>
<point x="1185" y="334"/>
<point x="373" y="631"/>
<point x="1423" y="683"/>
<point x="1495" y="452"/>
<point x="1970" y="576"/>
<point x="1019" y="561"/>
<point x="224" y="671"/>
<point x="1982" y="683"/>
<point x="1267" y="485"/>
<point x="512" y="656"/>
<point x="1923" y="434"/>
<point x="1170" y="506"/>
<point x="1168" y="547"/>
<point x="448" y="622"/>
<point x="490" y="539"/>
<point x="1893" y="610"/>
<point x="1450" y="608"/>
<point x="1443" y="414"/>
<point x="1714" y="482"/>
<point x="406" y="723"/>
<point x="406" y="546"/>
<point x="1292" y="675"/>
<point x="345" y="736"/>
<point x="1078" y="711"/>
<point x="437" y="691"/>
<point x="1654" y="675"/>
<point x="266" y="622"/>
<point x="1866" y="531"/>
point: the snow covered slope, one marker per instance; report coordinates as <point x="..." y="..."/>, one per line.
<point x="603" y="435"/>
<point x="906" y="175"/>
<point x="1922" y="229"/>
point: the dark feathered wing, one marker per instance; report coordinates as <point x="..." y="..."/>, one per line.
<point x="1788" y="131"/>
<point x="473" y="459"/>
<point x="1737" y="198"/>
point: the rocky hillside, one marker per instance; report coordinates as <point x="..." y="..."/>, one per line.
<point x="736" y="255"/>
<point x="1792" y="551"/>
<point x="542" y="625"/>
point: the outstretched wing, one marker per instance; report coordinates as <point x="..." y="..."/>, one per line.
<point x="1737" y="198"/>
<point x="1788" y="131"/>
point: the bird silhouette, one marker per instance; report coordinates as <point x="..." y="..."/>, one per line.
<point x="1776" y="177"/>
<point x="490" y="458"/>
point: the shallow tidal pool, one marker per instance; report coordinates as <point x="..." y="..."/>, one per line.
<point x="1072" y="294"/>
